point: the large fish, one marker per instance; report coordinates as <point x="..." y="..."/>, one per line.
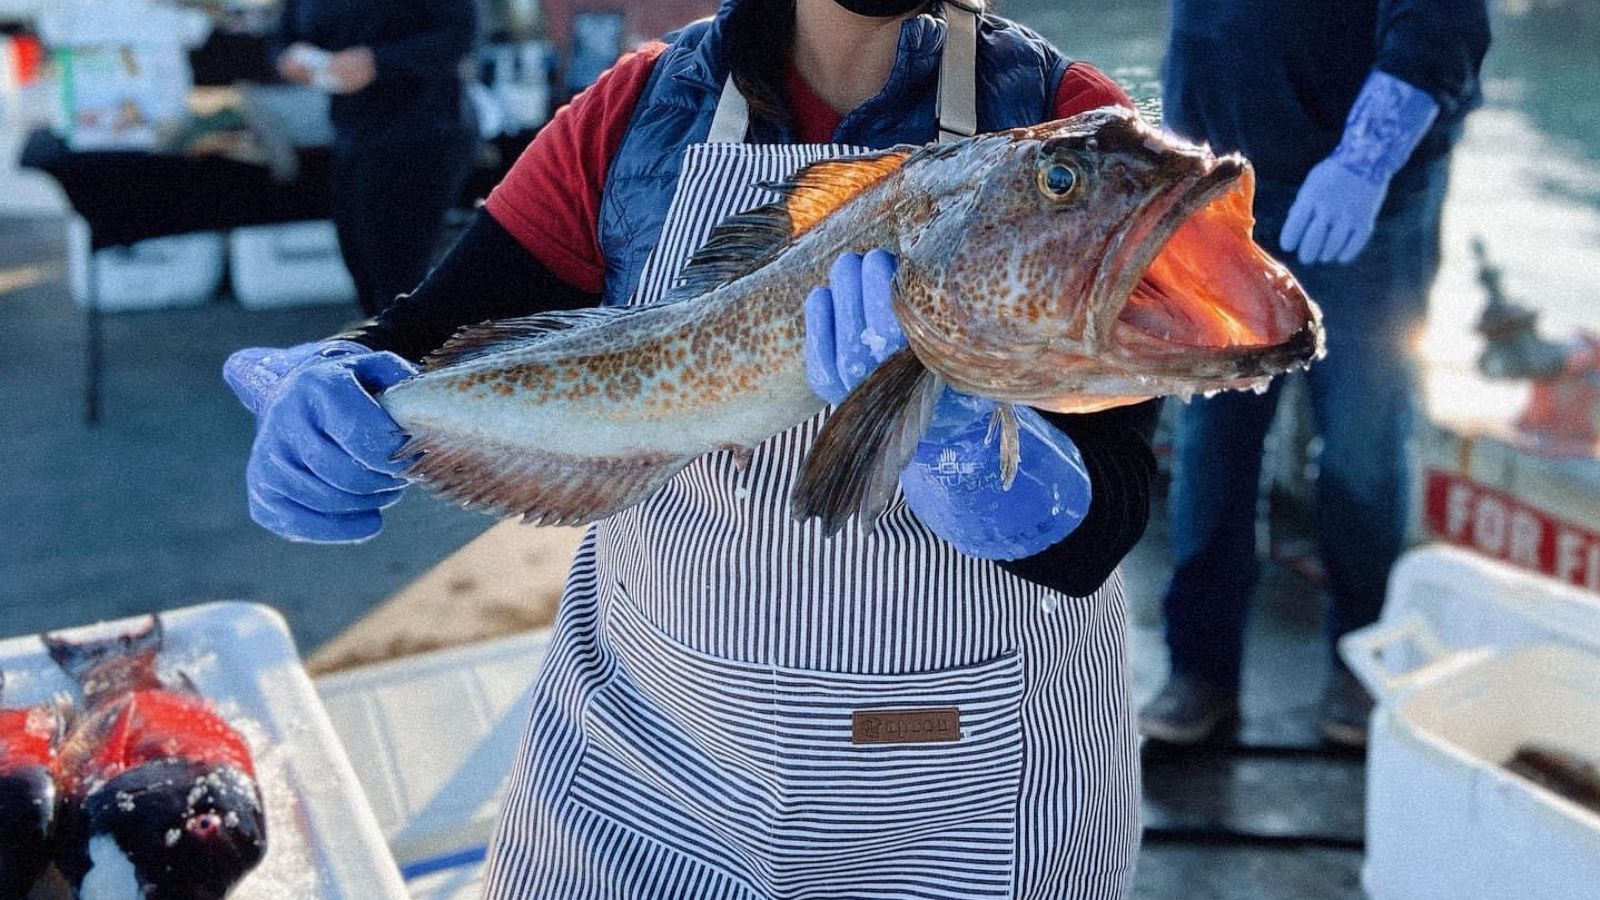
<point x="158" y="792"/>
<point x="28" y="740"/>
<point x="1072" y="266"/>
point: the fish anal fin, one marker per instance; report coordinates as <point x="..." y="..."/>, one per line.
<point x="542" y="487"/>
<point x="742" y="456"/>
<point x="743" y="242"/>
<point x="854" y="464"/>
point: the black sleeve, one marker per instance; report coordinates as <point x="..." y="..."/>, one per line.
<point x="486" y="275"/>
<point x="283" y="34"/>
<point x="1436" y="45"/>
<point x="1115" y="445"/>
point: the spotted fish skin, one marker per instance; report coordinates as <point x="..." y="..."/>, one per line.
<point x="1075" y="265"/>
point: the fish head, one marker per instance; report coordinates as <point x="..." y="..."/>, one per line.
<point x="182" y="830"/>
<point x="1095" y="261"/>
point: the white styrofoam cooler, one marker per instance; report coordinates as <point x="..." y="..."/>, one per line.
<point x="290" y="264"/>
<point x="1471" y="660"/>
<point x="177" y="271"/>
<point x="323" y="842"/>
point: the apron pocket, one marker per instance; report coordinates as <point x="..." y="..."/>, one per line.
<point x="802" y="783"/>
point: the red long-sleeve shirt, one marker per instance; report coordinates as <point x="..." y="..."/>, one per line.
<point x="550" y="200"/>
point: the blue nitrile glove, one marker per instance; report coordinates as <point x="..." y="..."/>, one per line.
<point x="320" y="469"/>
<point x="953" y="484"/>
<point x="1333" y="214"/>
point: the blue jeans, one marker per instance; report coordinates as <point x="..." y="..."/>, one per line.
<point x="1362" y="396"/>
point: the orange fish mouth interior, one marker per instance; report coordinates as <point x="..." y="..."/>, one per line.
<point x="1211" y="286"/>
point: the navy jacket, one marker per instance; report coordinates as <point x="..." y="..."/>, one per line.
<point x="418" y="47"/>
<point x="1274" y="79"/>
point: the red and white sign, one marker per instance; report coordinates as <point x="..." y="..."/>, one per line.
<point x="1496" y="524"/>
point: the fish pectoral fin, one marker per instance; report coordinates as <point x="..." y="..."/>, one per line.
<point x="1005" y="421"/>
<point x="543" y="487"/>
<point x="855" y="464"/>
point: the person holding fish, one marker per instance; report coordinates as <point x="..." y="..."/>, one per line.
<point x="1348" y="112"/>
<point x="877" y="649"/>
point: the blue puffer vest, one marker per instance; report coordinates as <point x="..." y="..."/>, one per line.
<point x="1018" y="73"/>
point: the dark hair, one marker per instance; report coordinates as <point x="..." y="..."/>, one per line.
<point x="759" y="40"/>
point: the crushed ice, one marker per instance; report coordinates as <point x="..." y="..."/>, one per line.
<point x="111" y="875"/>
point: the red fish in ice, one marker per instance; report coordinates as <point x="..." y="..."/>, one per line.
<point x="28" y="739"/>
<point x="159" y="799"/>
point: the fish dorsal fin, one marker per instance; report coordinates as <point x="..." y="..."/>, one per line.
<point x="476" y="341"/>
<point x="823" y="187"/>
<point x="741" y="243"/>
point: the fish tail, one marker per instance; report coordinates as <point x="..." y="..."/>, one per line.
<point x="543" y="488"/>
<point x="101" y="666"/>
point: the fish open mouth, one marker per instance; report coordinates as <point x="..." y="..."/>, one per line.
<point x="1210" y="291"/>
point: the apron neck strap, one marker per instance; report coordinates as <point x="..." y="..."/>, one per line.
<point x="957" y="115"/>
<point x="732" y="119"/>
<point x="958" y="78"/>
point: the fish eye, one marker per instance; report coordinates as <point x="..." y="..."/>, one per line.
<point x="1059" y="179"/>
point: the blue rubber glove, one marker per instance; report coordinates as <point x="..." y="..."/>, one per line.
<point x="1337" y="207"/>
<point x="953" y="484"/>
<point x="320" y="469"/>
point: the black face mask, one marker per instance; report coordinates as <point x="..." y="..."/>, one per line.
<point x="882" y="9"/>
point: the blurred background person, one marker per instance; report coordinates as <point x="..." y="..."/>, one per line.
<point x="404" y="130"/>
<point x="1348" y="111"/>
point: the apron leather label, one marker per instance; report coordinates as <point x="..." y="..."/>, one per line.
<point x="905" y="726"/>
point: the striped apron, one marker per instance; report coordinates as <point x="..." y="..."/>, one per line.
<point x="710" y="721"/>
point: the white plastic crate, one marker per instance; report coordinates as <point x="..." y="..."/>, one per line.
<point x="292" y="264"/>
<point x="161" y="273"/>
<point x="1472" y="659"/>
<point x="438" y="734"/>
<point x="322" y="840"/>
